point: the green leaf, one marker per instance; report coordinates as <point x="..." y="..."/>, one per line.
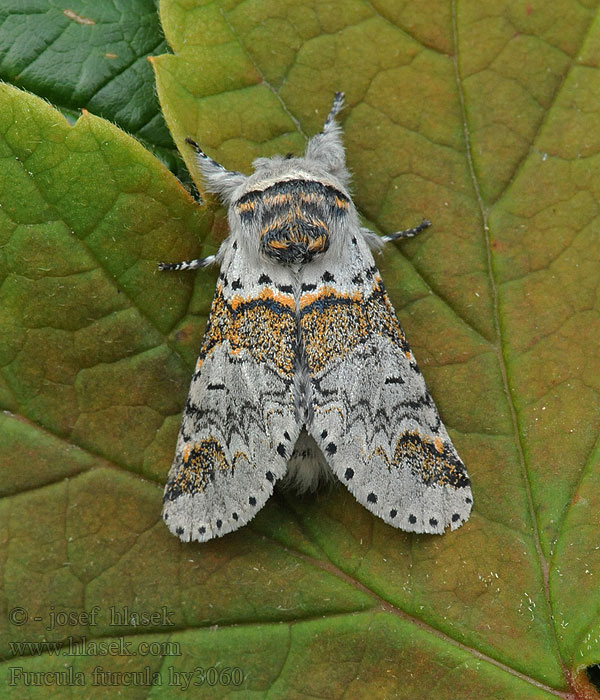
<point x="484" y="118"/>
<point x="92" y="55"/>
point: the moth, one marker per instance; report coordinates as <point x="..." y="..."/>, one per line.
<point x="304" y="370"/>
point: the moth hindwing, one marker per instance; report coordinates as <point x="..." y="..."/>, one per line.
<point x="304" y="369"/>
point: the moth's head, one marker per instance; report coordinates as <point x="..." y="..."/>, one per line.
<point x="323" y="160"/>
<point x="293" y="207"/>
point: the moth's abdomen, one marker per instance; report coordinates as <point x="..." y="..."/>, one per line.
<point x="294" y="218"/>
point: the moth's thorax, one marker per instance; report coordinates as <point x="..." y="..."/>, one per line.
<point x="293" y="216"/>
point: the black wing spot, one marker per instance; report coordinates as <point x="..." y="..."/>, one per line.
<point x="234" y="246"/>
<point x="286" y="435"/>
<point x="433" y="522"/>
<point x="455" y="517"/>
<point x="281" y="449"/>
<point x="393" y="513"/>
<point x="372" y="498"/>
<point x="264" y="279"/>
<point x="306" y="287"/>
<point x="202" y="530"/>
<point x="324" y="435"/>
<point x="468" y="500"/>
<point x="353" y="241"/>
<point x="349" y="473"/>
<point x="394" y="380"/>
<point x="236" y="284"/>
<point x="252" y="501"/>
<point x="285" y="288"/>
<point x="269" y="476"/>
<point x="412" y="519"/>
<point x="165" y="516"/>
<point x="235" y="516"/>
<point x="357" y="279"/>
<point x="219" y="523"/>
<point x="331" y="448"/>
<point x="180" y="531"/>
<point x="327" y="277"/>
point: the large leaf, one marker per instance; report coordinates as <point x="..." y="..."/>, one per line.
<point x="481" y="116"/>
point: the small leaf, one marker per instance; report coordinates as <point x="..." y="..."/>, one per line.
<point x="91" y="55"/>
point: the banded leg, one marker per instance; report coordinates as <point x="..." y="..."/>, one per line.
<point x="407" y="233"/>
<point x="217" y="178"/>
<point x="338" y="103"/>
<point x="188" y="264"/>
<point x="208" y="160"/>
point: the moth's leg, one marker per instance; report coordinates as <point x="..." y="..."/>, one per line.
<point x="217" y="178"/>
<point x="223" y="179"/>
<point x="338" y="103"/>
<point x="407" y="233"/>
<point x="211" y="164"/>
<point x="188" y="264"/>
<point x="196" y="196"/>
<point x="326" y="148"/>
